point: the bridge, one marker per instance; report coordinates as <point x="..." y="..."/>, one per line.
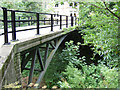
<point x="23" y="37"/>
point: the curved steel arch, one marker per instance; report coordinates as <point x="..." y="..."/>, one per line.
<point x="44" y="63"/>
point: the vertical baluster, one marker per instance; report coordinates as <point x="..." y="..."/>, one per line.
<point x="31" y="19"/>
<point x="60" y="21"/>
<point x="71" y="20"/>
<point x="66" y="21"/>
<point x="19" y="22"/>
<point x="13" y="25"/>
<point x="51" y="22"/>
<point x="5" y="26"/>
<point x="37" y="15"/>
<point x="57" y="21"/>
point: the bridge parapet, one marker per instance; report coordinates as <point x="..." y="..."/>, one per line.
<point x="14" y="19"/>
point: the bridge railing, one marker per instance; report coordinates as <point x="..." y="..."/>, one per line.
<point x="15" y="18"/>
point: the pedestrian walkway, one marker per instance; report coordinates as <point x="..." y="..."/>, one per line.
<point x="27" y="34"/>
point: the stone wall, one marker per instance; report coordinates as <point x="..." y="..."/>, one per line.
<point x="10" y="71"/>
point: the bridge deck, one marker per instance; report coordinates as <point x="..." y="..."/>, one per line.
<point x="10" y="54"/>
<point x="28" y="34"/>
<point x="28" y="40"/>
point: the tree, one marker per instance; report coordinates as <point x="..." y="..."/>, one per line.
<point x="22" y="5"/>
<point x="99" y="24"/>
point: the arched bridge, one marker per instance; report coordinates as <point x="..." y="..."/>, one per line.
<point x="28" y="37"/>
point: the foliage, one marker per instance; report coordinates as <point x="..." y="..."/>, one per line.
<point x="86" y="76"/>
<point x="26" y="73"/>
<point x="61" y="60"/>
<point x="99" y="26"/>
<point x="101" y="29"/>
<point x="69" y="29"/>
<point x="57" y="65"/>
<point x="91" y="77"/>
<point x="73" y="72"/>
<point x="21" y="5"/>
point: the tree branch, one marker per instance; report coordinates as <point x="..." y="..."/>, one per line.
<point x="110" y="10"/>
<point x="106" y="8"/>
<point x="96" y="6"/>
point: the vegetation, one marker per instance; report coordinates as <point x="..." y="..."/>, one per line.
<point x="21" y="5"/>
<point x="99" y="27"/>
<point x="79" y="74"/>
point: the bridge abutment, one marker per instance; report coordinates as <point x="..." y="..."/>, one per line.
<point x="10" y="71"/>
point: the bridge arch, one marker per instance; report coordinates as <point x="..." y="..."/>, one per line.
<point x="20" y="52"/>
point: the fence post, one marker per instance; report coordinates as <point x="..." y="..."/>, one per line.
<point x="13" y="25"/>
<point x="66" y="21"/>
<point x="5" y="25"/>
<point x="19" y="22"/>
<point x="60" y="21"/>
<point x="37" y="15"/>
<point x="71" y="20"/>
<point x="57" y="21"/>
<point x="51" y="22"/>
<point x="31" y="19"/>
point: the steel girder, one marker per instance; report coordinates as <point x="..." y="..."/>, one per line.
<point x="49" y="50"/>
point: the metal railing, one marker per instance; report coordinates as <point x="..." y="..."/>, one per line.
<point x="40" y="20"/>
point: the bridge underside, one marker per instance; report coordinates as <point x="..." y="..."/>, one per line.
<point x="37" y="50"/>
<point x="41" y="55"/>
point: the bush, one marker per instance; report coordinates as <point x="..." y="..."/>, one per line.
<point x="90" y="76"/>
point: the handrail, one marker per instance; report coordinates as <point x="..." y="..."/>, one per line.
<point x="59" y="21"/>
<point x="31" y="12"/>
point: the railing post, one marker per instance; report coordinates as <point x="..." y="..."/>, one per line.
<point x="31" y="19"/>
<point x="71" y="20"/>
<point x="66" y="21"/>
<point x="60" y="21"/>
<point x="5" y="25"/>
<point x="51" y="22"/>
<point x="19" y="22"/>
<point x="44" y="21"/>
<point x="37" y="15"/>
<point x="13" y="25"/>
<point x="53" y="19"/>
<point x="57" y="21"/>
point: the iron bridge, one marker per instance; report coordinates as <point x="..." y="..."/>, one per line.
<point x="28" y="37"/>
